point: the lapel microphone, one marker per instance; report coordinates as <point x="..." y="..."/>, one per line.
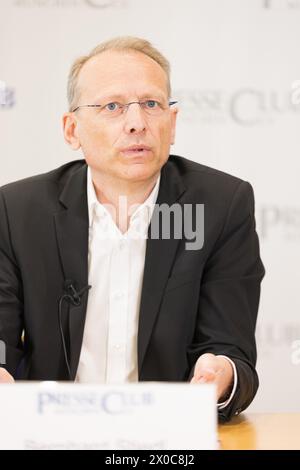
<point x="72" y="296"/>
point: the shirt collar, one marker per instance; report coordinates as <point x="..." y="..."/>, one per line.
<point x="94" y="206"/>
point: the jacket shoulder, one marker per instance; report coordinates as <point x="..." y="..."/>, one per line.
<point x="56" y="177"/>
<point x="217" y="189"/>
<point x="193" y="171"/>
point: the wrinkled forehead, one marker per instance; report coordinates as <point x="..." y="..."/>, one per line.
<point x="125" y="73"/>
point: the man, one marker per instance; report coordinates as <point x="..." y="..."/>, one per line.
<point x="100" y="300"/>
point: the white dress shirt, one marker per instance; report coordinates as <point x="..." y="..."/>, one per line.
<point x="115" y="272"/>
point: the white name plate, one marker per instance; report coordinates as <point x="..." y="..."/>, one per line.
<point x="50" y="415"/>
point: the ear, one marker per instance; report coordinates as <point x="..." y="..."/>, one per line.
<point x="70" y="130"/>
<point x="173" y="118"/>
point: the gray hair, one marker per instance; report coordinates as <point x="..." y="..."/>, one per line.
<point x="124" y="43"/>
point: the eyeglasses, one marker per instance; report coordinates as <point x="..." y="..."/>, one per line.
<point x="114" y="109"/>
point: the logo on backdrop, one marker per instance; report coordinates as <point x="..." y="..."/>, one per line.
<point x="103" y="3"/>
<point x="245" y="106"/>
<point x="7" y="96"/>
<point x="295" y="352"/>
<point x="279" y="223"/>
<point x="272" y="4"/>
<point x="284" y="336"/>
<point x="295" y="94"/>
<point x="100" y="4"/>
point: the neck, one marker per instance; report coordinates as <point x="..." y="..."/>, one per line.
<point x="122" y="196"/>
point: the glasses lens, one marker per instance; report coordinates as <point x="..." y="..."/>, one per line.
<point x="111" y="109"/>
<point x="152" y="107"/>
<point x="115" y="109"/>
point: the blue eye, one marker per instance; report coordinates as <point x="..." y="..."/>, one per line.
<point x="112" y="106"/>
<point x="151" y="104"/>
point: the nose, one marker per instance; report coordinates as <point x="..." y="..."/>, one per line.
<point x="134" y="119"/>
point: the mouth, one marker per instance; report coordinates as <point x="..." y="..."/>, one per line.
<point x="136" y="151"/>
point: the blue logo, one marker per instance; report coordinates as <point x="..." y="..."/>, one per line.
<point x="111" y="403"/>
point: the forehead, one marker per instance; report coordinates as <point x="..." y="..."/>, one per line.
<point x="123" y="73"/>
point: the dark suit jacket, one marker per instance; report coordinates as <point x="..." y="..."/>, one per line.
<point x="192" y="301"/>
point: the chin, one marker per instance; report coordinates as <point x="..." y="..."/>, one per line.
<point x="140" y="172"/>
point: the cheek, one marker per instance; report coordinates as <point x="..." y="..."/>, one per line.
<point x="165" y="135"/>
<point x="95" y="140"/>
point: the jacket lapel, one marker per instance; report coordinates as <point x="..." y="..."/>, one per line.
<point x="160" y="255"/>
<point x="72" y="237"/>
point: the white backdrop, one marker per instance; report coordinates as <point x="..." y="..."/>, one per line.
<point x="233" y="66"/>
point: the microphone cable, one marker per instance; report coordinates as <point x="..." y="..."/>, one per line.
<point x="73" y="298"/>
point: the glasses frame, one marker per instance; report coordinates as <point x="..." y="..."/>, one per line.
<point x="125" y="106"/>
